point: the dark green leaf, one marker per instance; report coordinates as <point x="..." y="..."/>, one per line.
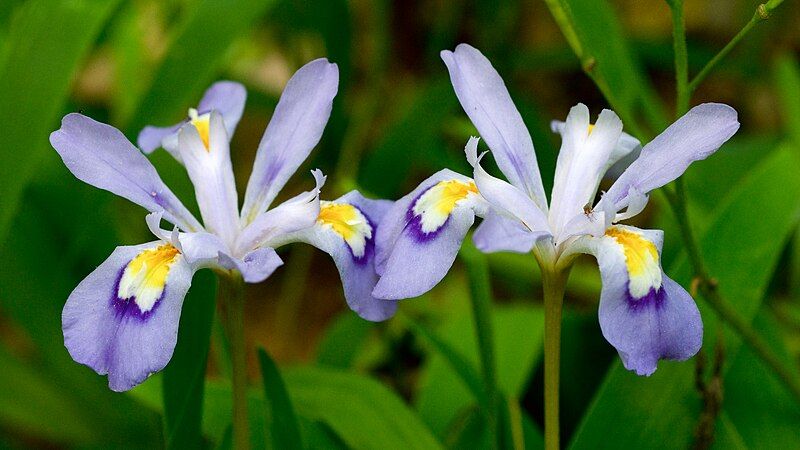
<point x="342" y="341"/>
<point x="281" y="423"/>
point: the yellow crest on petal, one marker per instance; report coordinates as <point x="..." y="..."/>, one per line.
<point x="348" y="222"/>
<point x="203" y="126"/>
<point x="438" y="202"/>
<point x="641" y="260"/>
<point x="145" y="276"/>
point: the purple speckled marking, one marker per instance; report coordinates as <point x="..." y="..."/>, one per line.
<point x="654" y="298"/>
<point x="414" y="222"/>
<point x="128" y="308"/>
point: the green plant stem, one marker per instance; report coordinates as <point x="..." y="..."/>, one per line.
<point x="553" y="285"/>
<point x="481" y="299"/>
<point x="230" y="300"/>
<point x="762" y="13"/>
<point x="681" y="56"/>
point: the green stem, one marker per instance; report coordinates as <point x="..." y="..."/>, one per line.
<point x="681" y="56"/>
<point x="553" y="285"/>
<point x="762" y="13"/>
<point x="230" y="299"/>
<point x="481" y="296"/>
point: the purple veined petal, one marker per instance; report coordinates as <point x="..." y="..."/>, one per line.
<point x="645" y="315"/>
<point x="100" y="155"/>
<point x="396" y="218"/>
<point x="500" y="234"/>
<point x="485" y="99"/>
<point x="122" y="319"/>
<point x="208" y="164"/>
<point x="505" y="198"/>
<point x="695" y="136"/>
<point x="585" y="155"/>
<point x="296" y="127"/>
<point x="256" y="266"/>
<point x="294" y="214"/>
<point x="225" y="97"/>
<point x="346" y="230"/>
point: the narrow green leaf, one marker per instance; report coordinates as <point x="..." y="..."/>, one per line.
<point x="661" y="410"/>
<point x="343" y="340"/>
<point x="185" y="375"/>
<point x="787" y="79"/>
<point x="46" y="42"/>
<point x="199" y="44"/>
<point x="281" y="423"/>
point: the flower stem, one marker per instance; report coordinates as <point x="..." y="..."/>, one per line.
<point x="553" y="285"/>
<point x="681" y="56"/>
<point x="481" y="297"/>
<point x="230" y="299"/>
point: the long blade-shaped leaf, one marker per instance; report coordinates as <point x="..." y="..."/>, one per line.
<point x="281" y="422"/>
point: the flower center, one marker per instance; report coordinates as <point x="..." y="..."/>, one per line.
<point x="145" y="276"/>
<point x="348" y="222"/>
<point x="641" y="260"/>
<point x="435" y="205"/>
<point x="202" y="124"/>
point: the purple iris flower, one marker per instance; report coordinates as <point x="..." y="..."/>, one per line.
<point x="644" y="314"/>
<point x="122" y="319"/>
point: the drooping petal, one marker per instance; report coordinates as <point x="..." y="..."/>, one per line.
<point x="206" y="154"/>
<point x="585" y="155"/>
<point x="296" y="127"/>
<point x="225" y="97"/>
<point x="292" y="215"/>
<point x="500" y="234"/>
<point x="346" y="229"/>
<point x="256" y="266"/>
<point x="695" y="136"/>
<point x="421" y="249"/>
<point x="504" y="198"/>
<point x="485" y="99"/>
<point x="100" y="155"/>
<point x="122" y="319"/>
<point x="645" y="315"/>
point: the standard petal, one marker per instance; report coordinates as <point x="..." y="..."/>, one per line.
<point x="205" y="152"/>
<point x="585" y="155"/>
<point x="270" y="228"/>
<point x="100" y="155"/>
<point x="695" y="136"/>
<point x="151" y="138"/>
<point x="296" y="127"/>
<point x="255" y="266"/>
<point x="346" y="230"/>
<point x="645" y="315"/>
<point x="122" y="319"/>
<point x="500" y="234"/>
<point x="485" y="99"/>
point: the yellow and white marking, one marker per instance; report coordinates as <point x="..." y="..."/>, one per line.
<point x="145" y="277"/>
<point x="203" y="125"/>
<point x="438" y="202"/>
<point x="348" y="222"/>
<point x="641" y="261"/>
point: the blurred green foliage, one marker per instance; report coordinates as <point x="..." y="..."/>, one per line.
<point x="329" y="377"/>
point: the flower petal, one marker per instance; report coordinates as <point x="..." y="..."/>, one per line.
<point x="100" y="155"/>
<point x="208" y="163"/>
<point x="585" y="155"/>
<point x="346" y="230"/>
<point x="645" y="315"/>
<point x="225" y="97"/>
<point x="485" y="99"/>
<point x="270" y="228"/>
<point x="432" y="226"/>
<point x="296" y="127"/>
<point x="500" y="234"/>
<point x="122" y="319"/>
<point x="695" y="136"/>
<point x="255" y="266"/>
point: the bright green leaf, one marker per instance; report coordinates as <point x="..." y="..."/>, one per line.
<point x="281" y="423"/>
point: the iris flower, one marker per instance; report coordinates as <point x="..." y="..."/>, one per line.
<point x="644" y="314"/>
<point x="122" y="319"/>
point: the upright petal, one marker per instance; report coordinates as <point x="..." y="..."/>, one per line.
<point x="296" y="127"/>
<point x="206" y="155"/>
<point x="295" y="214"/>
<point x="100" y="155"/>
<point x="256" y="266"/>
<point x="346" y="229"/>
<point x="586" y="154"/>
<point x="485" y="99"/>
<point x="645" y="315"/>
<point x="695" y="136"/>
<point x="122" y="319"/>
<point x="225" y="97"/>
<point x="421" y="249"/>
